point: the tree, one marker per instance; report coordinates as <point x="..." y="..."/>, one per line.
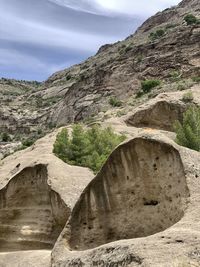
<point x="191" y="19"/>
<point x="147" y="85"/>
<point x="87" y="148"/>
<point x="188" y="132"/>
<point x="61" y="145"/>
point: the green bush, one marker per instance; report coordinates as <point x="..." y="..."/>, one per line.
<point x="188" y="132"/>
<point x="86" y="148"/>
<point x="157" y="34"/>
<point x="139" y="94"/>
<point x="196" y="79"/>
<point x="147" y="85"/>
<point x="128" y="48"/>
<point x="191" y="19"/>
<point x="28" y="142"/>
<point x="113" y="101"/>
<point x="5" y="137"/>
<point x="187" y="97"/>
<point x="68" y="77"/>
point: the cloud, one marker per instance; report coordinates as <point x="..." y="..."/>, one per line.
<point x="38" y="37"/>
<point x="113" y="7"/>
<point x="141" y="8"/>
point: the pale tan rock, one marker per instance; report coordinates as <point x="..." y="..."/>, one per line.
<point x="147" y="193"/>
<point x="162" y="111"/>
<point x="37" y="193"/>
<point x="34" y="258"/>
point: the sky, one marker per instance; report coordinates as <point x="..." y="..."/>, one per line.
<point x="40" y="37"/>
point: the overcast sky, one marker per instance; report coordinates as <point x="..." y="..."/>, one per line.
<point x="39" y="37"/>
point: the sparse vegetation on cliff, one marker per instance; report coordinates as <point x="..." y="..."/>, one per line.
<point x="190" y="19"/>
<point x="113" y="101"/>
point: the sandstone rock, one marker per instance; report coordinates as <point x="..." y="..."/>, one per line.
<point x="34" y="205"/>
<point x="148" y="193"/>
<point x="162" y="111"/>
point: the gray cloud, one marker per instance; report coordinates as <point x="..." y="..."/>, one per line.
<point x="38" y="37"/>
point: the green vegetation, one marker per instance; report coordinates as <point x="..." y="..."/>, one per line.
<point x="123" y="49"/>
<point x="128" y="48"/>
<point x="175" y="75"/>
<point x="188" y="132"/>
<point x="196" y="79"/>
<point x="181" y="86"/>
<point x="121" y="113"/>
<point x="86" y="148"/>
<point x="68" y="77"/>
<point x="190" y="19"/>
<point x="5" y="137"/>
<point x="187" y="97"/>
<point x="28" y="142"/>
<point x="147" y="85"/>
<point x="170" y="26"/>
<point x="42" y="102"/>
<point x="157" y="34"/>
<point x="113" y="101"/>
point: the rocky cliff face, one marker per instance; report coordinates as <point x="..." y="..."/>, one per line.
<point x="117" y="69"/>
<point x="142" y="208"/>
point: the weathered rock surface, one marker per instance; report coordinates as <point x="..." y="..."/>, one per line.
<point x="162" y="111"/>
<point x="140" y="191"/>
<point x="148" y="193"/>
<point x="32" y="215"/>
<point x="142" y="208"/>
<point x="118" y="69"/>
<point x="34" y="205"/>
<point x="32" y="258"/>
<point x="83" y="90"/>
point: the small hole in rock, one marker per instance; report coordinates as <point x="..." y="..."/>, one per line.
<point x="151" y="203"/>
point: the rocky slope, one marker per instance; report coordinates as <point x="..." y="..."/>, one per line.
<point x="142" y="208"/>
<point x="119" y="68"/>
<point x="150" y="215"/>
<point x="82" y="91"/>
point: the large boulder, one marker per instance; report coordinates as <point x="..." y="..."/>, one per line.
<point x="37" y="194"/>
<point x="162" y="111"/>
<point x="148" y="193"/>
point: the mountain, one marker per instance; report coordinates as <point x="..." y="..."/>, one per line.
<point x="118" y="69"/>
<point x="164" y="48"/>
<point x="142" y="207"/>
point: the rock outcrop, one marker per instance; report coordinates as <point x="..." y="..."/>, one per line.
<point x="37" y="193"/>
<point x="147" y="192"/>
<point x="140" y="191"/>
<point x="83" y="90"/>
<point x="162" y="111"/>
<point x="142" y="208"/>
<point x="118" y="69"/>
<point x="32" y="215"/>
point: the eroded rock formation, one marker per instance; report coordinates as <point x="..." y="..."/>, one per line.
<point x="164" y="110"/>
<point x="37" y="193"/>
<point x="32" y="215"/>
<point x="140" y="191"/>
<point x="161" y="115"/>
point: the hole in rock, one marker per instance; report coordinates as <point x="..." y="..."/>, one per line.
<point x="32" y="215"/>
<point x="150" y="203"/>
<point x="117" y="213"/>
